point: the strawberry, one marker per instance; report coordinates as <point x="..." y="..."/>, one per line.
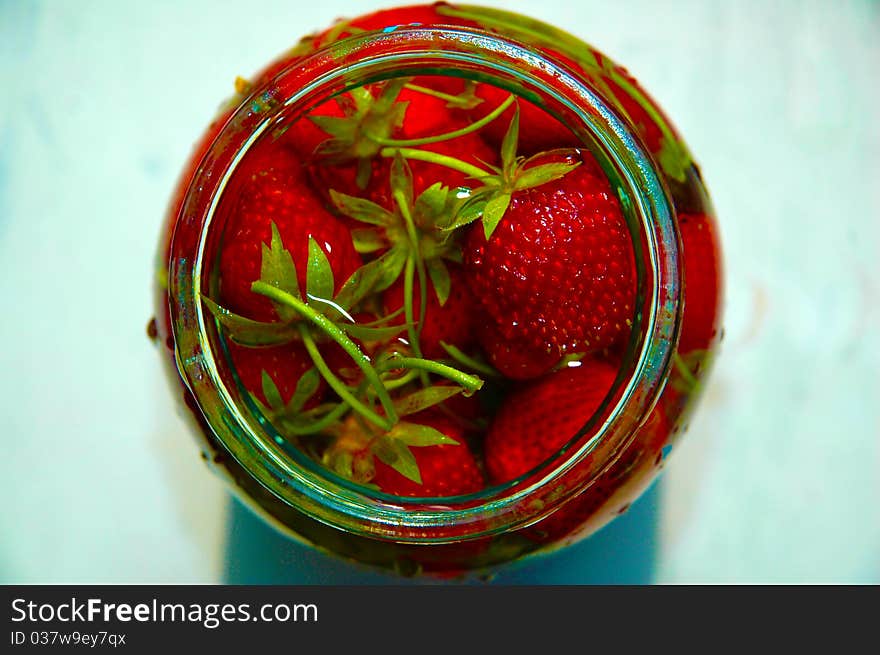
<point x="513" y="359"/>
<point x="446" y="469"/>
<point x="436" y="104"/>
<point x="557" y="274"/>
<point x="537" y="419"/>
<point x="613" y="492"/>
<point x="274" y="189"/>
<point x="702" y="282"/>
<point x="283" y="364"/>
<point x="539" y="130"/>
<point x="452" y="322"/>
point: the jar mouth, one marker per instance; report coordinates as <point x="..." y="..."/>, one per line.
<point x="304" y="484"/>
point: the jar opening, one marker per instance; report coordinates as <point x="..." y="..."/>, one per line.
<point x="241" y="424"/>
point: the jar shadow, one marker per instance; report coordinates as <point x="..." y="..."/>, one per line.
<point x="623" y="552"/>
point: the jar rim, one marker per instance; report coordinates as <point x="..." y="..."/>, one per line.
<point x="349" y="506"/>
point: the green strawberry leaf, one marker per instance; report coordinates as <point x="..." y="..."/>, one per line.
<point x="361" y="97"/>
<point x="340" y="462"/>
<point x="306" y="387"/>
<point x="674" y="158"/>
<point x="469" y="362"/>
<point x="372" y="333"/>
<point x="401" y="180"/>
<point x="494" y="212"/>
<point x="361" y="209"/>
<point x="471" y="210"/>
<point x="439" y="275"/>
<point x="340" y="128"/>
<point x="467" y="99"/>
<point x="247" y="332"/>
<point x="386" y="100"/>
<point x="319" y="274"/>
<point x="367" y="240"/>
<point x="278" y="270"/>
<point x="396" y="454"/>
<point x="270" y="391"/>
<point x="422" y="399"/>
<point x="374" y="276"/>
<point x="511" y="141"/>
<point x="431" y="205"/>
<point x="417" y="435"/>
<point x="384" y="319"/>
<point x="541" y="174"/>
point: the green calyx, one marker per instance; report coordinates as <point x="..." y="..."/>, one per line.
<point x="491" y="197"/>
<point x="355" y="446"/>
<point x="415" y="230"/>
<point x="367" y="115"/>
<point x="371" y="117"/>
<point x="491" y="201"/>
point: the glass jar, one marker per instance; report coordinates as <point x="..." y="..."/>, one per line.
<point x="615" y="455"/>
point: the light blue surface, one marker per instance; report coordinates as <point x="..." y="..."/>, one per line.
<point x="624" y="552"/>
<point x="778" y="479"/>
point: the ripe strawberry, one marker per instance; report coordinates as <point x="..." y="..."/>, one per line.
<point x="614" y="490"/>
<point x="539" y="131"/>
<point x="557" y="276"/>
<point x="446" y="470"/>
<point x="284" y="365"/>
<point x="513" y="359"/>
<point x="702" y="280"/>
<point x="274" y="189"/>
<point x="452" y="322"/>
<point x="536" y="420"/>
<point x="427" y="115"/>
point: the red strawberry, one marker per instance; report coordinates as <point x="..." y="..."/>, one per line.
<point x="702" y="280"/>
<point x="284" y="365"/>
<point x="615" y="489"/>
<point x="557" y="275"/>
<point x="539" y="131"/>
<point x="513" y="359"/>
<point x="428" y="115"/>
<point x="452" y="322"/>
<point x="273" y="189"/>
<point x="536" y="420"/>
<point x="446" y="470"/>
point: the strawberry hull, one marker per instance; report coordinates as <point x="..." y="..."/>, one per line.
<point x="425" y="327"/>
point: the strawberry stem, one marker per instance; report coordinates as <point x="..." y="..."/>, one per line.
<point x="339" y="386"/>
<point x="412" y="329"/>
<point x="436" y="158"/>
<point x="432" y="92"/>
<point x="402" y="381"/>
<point x="317" y="426"/>
<point x="470" y="383"/>
<point x="411" y="231"/>
<point x="473" y="127"/>
<point x="338" y="335"/>
<point x="475" y="365"/>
